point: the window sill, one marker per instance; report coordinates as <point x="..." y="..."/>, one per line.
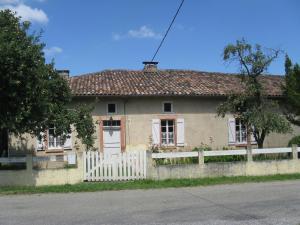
<point x="242" y="144"/>
<point x="53" y="150"/>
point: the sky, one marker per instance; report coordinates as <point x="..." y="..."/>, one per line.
<point x="90" y="35"/>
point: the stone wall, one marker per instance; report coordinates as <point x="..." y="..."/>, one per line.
<point x="32" y="177"/>
<point x="201" y="170"/>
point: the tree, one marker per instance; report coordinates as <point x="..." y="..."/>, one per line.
<point x="33" y="95"/>
<point x="291" y="91"/>
<point x="252" y="106"/>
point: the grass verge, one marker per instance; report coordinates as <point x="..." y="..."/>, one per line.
<point x="142" y="184"/>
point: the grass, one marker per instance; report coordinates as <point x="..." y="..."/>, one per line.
<point x="143" y="184"/>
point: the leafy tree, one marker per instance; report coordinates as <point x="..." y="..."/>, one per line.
<point x="33" y="96"/>
<point x="252" y="106"/>
<point x="291" y="90"/>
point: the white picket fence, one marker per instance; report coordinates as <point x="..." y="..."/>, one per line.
<point x="114" y="167"/>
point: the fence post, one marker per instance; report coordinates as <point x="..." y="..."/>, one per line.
<point x="29" y="162"/>
<point x="149" y="163"/>
<point x="294" y="152"/>
<point x="249" y="155"/>
<point x="201" y="157"/>
<point x="81" y="163"/>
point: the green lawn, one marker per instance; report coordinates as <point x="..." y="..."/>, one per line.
<point x="142" y="184"/>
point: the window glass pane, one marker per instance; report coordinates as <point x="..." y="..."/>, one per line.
<point x="51" y="141"/>
<point x="168" y="107"/>
<point x="111" y="123"/>
<point x="241" y="132"/>
<point x="111" y="108"/>
<point x="167" y="132"/>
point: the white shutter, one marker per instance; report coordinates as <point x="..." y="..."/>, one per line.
<point x="253" y="141"/>
<point x="155" y="132"/>
<point x="40" y="141"/>
<point x="231" y="131"/>
<point x="180" y="132"/>
<point x="68" y="141"/>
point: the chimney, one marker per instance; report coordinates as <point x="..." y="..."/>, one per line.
<point x="150" y="66"/>
<point x="64" y="73"/>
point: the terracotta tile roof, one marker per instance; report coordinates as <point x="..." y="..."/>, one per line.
<point x="164" y="83"/>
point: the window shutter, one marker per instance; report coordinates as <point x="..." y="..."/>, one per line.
<point x="40" y="141"/>
<point x="155" y="132"/>
<point x="231" y="131"/>
<point x="180" y="132"/>
<point x="68" y="141"/>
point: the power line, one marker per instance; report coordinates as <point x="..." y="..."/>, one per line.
<point x="162" y="41"/>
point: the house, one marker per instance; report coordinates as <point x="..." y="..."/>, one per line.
<point x="167" y="109"/>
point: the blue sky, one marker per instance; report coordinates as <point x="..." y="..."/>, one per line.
<point x="88" y="36"/>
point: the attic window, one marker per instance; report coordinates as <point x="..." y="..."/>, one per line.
<point x="167" y="107"/>
<point x="111" y="108"/>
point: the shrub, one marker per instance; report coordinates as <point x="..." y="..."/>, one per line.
<point x="294" y="141"/>
<point x="202" y="147"/>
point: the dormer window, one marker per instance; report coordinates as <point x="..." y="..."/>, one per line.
<point x="167" y="107"/>
<point x="111" y="108"/>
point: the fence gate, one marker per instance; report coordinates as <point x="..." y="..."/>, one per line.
<point x="112" y="167"/>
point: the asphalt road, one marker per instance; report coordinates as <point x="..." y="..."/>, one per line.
<point x="263" y="203"/>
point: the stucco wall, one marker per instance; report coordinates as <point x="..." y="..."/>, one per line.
<point x="260" y="168"/>
<point x="201" y="122"/>
<point x="32" y="177"/>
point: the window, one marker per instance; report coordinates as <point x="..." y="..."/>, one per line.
<point x="240" y="131"/>
<point x="111" y="108"/>
<point x="111" y="123"/>
<point x="167" y="107"/>
<point x="55" y="141"/>
<point x="167" y="132"/>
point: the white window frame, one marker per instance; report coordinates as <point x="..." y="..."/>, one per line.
<point x="55" y="141"/>
<point x="163" y="106"/>
<point x="167" y="133"/>
<point x="116" y="107"/>
<point x="240" y="132"/>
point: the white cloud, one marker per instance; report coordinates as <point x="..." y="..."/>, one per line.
<point x="142" y="32"/>
<point x="25" y="12"/>
<point x="52" y="51"/>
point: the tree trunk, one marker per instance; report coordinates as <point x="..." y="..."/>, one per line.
<point x="260" y="144"/>
<point x="3" y="142"/>
<point x="261" y="139"/>
<point x="249" y="146"/>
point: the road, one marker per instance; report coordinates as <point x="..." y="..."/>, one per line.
<point x="262" y="203"/>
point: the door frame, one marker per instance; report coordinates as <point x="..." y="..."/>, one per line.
<point x="122" y="131"/>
